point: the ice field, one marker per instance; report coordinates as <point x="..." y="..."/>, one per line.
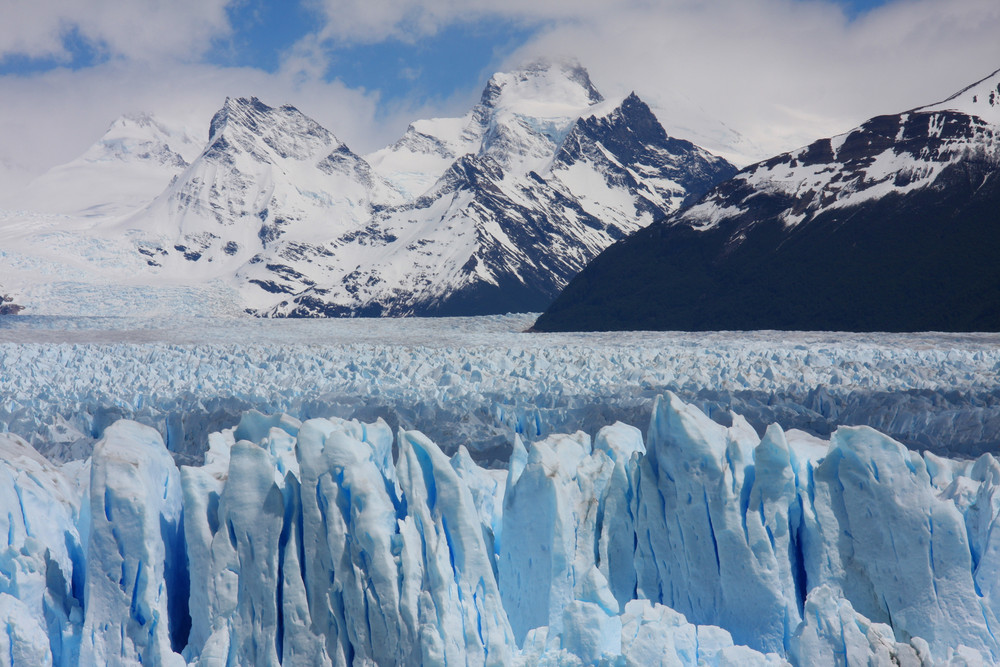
<point x="454" y="491"/>
<point x="477" y="381"/>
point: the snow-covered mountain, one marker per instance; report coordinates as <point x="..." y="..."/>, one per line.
<point x="547" y="97"/>
<point x="132" y="163"/>
<point x="507" y="203"/>
<point x="891" y="226"/>
<point x="270" y="182"/>
<point x="491" y="212"/>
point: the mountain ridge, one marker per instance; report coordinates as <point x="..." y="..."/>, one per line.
<point x="486" y="213"/>
<point x="887" y="227"/>
<point x="526" y="218"/>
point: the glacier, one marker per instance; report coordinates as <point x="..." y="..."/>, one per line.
<point x="451" y="490"/>
<point x="333" y="541"/>
<point x="479" y="381"/>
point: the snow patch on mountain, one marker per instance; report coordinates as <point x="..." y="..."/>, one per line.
<point x="887" y="156"/>
<point x="981" y="99"/>
<point x="415" y="162"/>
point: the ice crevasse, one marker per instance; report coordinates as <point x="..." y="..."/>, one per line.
<point x="334" y="542"/>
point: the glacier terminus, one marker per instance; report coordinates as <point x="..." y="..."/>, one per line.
<point x="689" y="537"/>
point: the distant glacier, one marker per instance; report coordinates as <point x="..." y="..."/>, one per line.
<point x="479" y="381"/>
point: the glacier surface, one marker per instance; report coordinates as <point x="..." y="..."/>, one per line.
<point x="453" y="491"/>
<point x="479" y="381"/>
<point x="332" y="541"/>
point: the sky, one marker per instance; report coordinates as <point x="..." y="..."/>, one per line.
<point x="748" y="78"/>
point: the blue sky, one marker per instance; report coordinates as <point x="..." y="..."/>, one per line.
<point x="433" y="67"/>
<point x="747" y="78"/>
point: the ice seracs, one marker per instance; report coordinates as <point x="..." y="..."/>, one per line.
<point x="477" y="383"/>
<point x="309" y="543"/>
<point x="136" y="577"/>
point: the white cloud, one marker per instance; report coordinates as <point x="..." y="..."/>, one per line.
<point x="52" y="118"/>
<point x="410" y="73"/>
<point x="377" y="20"/>
<point x="145" y="30"/>
<point x="779" y="72"/>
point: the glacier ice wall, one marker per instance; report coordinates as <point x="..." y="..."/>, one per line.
<point x="331" y="541"/>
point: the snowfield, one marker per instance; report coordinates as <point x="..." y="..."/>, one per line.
<point x="320" y="492"/>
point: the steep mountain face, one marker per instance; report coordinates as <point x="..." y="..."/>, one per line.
<point x="131" y="164"/>
<point x="508" y="202"/>
<point x="892" y="226"/>
<point x="271" y="188"/>
<point x="545" y="97"/>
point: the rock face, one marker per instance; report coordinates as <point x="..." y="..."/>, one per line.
<point x="9" y="308"/>
<point x="7" y="305"/>
<point x="307" y="543"/>
<point x="489" y="213"/>
<point x="891" y="227"/>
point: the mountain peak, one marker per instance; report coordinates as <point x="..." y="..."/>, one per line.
<point x="981" y="99"/>
<point x="137" y="119"/>
<point x="627" y="121"/>
<point x="248" y="112"/>
<point x="546" y="81"/>
<point x="129" y="165"/>
<point x="285" y="129"/>
<point x="245" y="110"/>
<point x="142" y="138"/>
